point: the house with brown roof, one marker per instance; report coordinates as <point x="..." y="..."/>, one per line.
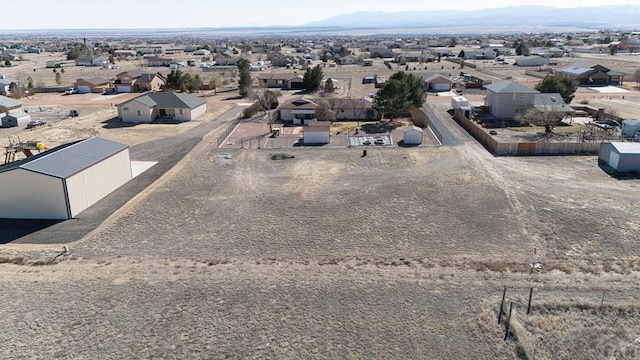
<point x="137" y="81"/>
<point x="299" y="111"/>
<point x="302" y="110"/>
<point x="96" y="85"/>
<point x="286" y="81"/>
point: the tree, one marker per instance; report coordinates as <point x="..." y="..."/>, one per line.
<point x="7" y="63"/>
<point x="30" y="82"/>
<point x="267" y="101"/>
<point x="556" y="84"/>
<point x="244" y="84"/>
<point x="325" y="58"/>
<point x="215" y="84"/>
<point x="343" y="52"/>
<point x="522" y="48"/>
<point x="393" y="99"/>
<point x="613" y="50"/>
<point x="323" y="111"/>
<point x="548" y="118"/>
<point x="175" y="80"/>
<point x="73" y="53"/>
<point x="58" y="78"/>
<point x="414" y="86"/>
<point x="313" y="78"/>
<point x="15" y="91"/>
<point x="453" y="42"/>
<point x="193" y="83"/>
<point x="328" y="86"/>
<point x="636" y="78"/>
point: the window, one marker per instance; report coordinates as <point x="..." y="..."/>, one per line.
<point x="180" y="111"/>
<point x="139" y="113"/>
<point x="125" y="108"/>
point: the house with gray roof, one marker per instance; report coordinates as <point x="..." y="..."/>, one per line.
<point x="63" y="182"/>
<point x="505" y="99"/>
<point x="8" y="104"/>
<point x="591" y="74"/>
<point x="162" y="106"/>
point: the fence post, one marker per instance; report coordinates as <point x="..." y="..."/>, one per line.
<point x="506" y="331"/>
<point x="504" y="293"/>
<point x="529" y="306"/>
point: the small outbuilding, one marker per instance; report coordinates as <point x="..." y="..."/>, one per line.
<point x="412" y="135"/>
<point x="62" y="182"/>
<point x="622" y="157"/>
<point x="317" y="133"/>
<point x="15" y="118"/>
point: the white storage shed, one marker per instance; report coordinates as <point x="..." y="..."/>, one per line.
<point x="317" y="133"/>
<point x="64" y="181"/>
<point x="623" y="157"/>
<point x="412" y="135"/>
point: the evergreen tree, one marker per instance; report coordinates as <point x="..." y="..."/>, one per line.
<point x="313" y="78"/>
<point x="244" y="84"/>
<point x="556" y="84"/>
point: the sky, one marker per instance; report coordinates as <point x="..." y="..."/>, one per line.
<point x="91" y="14"/>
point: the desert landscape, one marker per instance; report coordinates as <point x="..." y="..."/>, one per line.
<point x="224" y="250"/>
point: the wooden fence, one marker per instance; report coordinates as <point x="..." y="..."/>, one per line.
<point x="524" y="148"/>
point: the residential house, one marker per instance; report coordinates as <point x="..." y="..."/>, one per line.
<point x="591" y="75"/>
<point x="435" y="81"/>
<point x="202" y="52"/>
<point x="438" y="83"/>
<point x="92" y="60"/>
<point x="159" y="61"/>
<point x="347" y="60"/>
<point x="286" y="81"/>
<point x="532" y="60"/>
<point x="137" y="81"/>
<point x="226" y="61"/>
<point x="162" y="106"/>
<point x="507" y="98"/>
<point x="347" y="109"/>
<point x="92" y="85"/>
<point x="298" y="111"/>
<point x="124" y="54"/>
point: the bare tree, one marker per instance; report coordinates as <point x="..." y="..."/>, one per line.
<point x="549" y="118"/>
<point x="267" y="101"/>
<point x="636" y="77"/>
<point x="324" y="112"/>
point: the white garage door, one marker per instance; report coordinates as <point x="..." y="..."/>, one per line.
<point x="316" y="138"/>
<point x="82" y="89"/>
<point x="441" y="87"/>
<point x="614" y="157"/>
<point x="124" y="88"/>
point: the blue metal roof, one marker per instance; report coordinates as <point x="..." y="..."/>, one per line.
<point x="69" y="159"/>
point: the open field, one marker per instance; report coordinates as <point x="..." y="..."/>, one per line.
<point x="398" y="254"/>
<point x="227" y="254"/>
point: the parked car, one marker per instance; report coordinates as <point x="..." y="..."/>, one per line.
<point x="34" y="123"/>
<point x="70" y="91"/>
<point x="74" y="112"/>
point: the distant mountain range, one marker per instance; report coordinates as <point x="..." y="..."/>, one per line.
<point x="535" y="17"/>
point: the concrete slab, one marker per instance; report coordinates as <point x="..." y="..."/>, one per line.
<point x="608" y="89"/>
<point x="138" y="167"/>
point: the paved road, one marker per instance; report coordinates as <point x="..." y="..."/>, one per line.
<point x="167" y="152"/>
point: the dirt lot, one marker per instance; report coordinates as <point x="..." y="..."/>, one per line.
<point x="402" y="253"/>
<point x="399" y="254"/>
